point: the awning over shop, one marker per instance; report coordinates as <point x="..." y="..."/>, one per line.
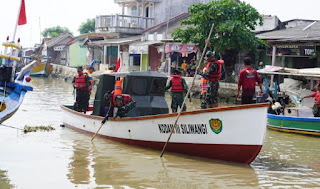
<point x="118" y="41"/>
<point x="142" y="47"/>
<point x="182" y="48"/>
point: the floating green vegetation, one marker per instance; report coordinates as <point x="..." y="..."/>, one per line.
<point x="27" y="129"/>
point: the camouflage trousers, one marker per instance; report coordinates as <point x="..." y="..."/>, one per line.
<point x="177" y="100"/>
<point x="124" y="110"/>
<point x="211" y="96"/>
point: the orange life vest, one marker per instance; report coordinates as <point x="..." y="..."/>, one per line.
<point x="204" y="85"/>
<point x="80" y="81"/>
<point x="176" y="84"/>
<point x="215" y="76"/>
<point x="118" y="88"/>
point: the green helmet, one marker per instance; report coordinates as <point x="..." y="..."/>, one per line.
<point x="210" y="54"/>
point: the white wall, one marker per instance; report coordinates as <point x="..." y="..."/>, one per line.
<point x="171" y="8"/>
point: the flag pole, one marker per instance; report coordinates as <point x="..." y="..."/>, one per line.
<point x="15" y="29"/>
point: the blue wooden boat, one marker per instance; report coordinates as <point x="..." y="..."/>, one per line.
<point x="13" y="86"/>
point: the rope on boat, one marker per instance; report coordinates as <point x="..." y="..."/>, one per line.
<point x="4" y="95"/>
<point x="12" y="127"/>
<point x="185" y="98"/>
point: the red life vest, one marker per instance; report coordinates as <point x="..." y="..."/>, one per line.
<point x="126" y="99"/>
<point x="80" y="81"/>
<point x="215" y="76"/>
<point x="176" y="85"/>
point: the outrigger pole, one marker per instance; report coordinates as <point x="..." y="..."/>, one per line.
<point x="185" y="98"/>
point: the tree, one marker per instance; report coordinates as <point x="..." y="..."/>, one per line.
<point x="54" y="31"/>
<point x="88" y="26"/>
<point x="232" y="33"/>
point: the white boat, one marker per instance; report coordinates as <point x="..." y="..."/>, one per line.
<point x="233" y="133"/>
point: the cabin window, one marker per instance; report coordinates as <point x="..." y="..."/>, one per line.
<point x="139" y="86"/>
<point x="157" y="87"/>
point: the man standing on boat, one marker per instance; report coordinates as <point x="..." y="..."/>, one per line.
<point x="247" y="81"/>
<point x="212" y="74"/>
<point x="123" y="102"/>
<point x="81" y="83"/>
<point x="178" y="88"/>
<point x="316" y="96"/>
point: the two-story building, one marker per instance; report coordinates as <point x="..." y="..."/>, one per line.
<point x="132" y="25"/>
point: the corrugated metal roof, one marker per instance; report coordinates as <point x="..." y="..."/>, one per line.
<point x="118" y="41"/>
<point x="304" y="33"/>
<point x="54" y="41"/>
<point x="146" y="43"/>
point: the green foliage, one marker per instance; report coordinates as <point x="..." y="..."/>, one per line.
<point x="54" y="31"/>
<point x="88" y="26"/>
<point x="27" y="129"/>
<point x="233" y="25"/>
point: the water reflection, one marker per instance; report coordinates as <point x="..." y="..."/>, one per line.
<point x="288" y="160"/>
<point x="105" y="163"/>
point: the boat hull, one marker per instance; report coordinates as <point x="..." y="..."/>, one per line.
<point x="228" y="133"/>
<point x="41" y="70"/>
<point x="11" y="103"/>
<point x="301" y="125"/>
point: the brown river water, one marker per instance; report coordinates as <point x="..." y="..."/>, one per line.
<point x="64" y="158"/>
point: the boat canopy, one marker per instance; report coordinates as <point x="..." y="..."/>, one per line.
<point x="306" y="72"/>
<point x="146" y="88"/>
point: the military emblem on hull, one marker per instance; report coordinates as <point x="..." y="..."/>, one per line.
<point x="215" y="125"/>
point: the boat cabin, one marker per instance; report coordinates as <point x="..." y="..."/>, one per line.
<point x="146" y="88"/>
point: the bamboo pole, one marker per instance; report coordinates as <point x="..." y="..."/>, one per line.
<point x="185" y="98"/>
<point x="106" y="118"/>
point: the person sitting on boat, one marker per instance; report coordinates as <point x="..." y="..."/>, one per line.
<point x="123" y="102"/>
<point x="247" y="81"/>
<point x="178" y="88"/>
<point x="204" y="88"/>
<point x="316" y="96"/>
<point x="212" y="74"/>
<point x="81" y="83"/>
<point x="88" y="73"/>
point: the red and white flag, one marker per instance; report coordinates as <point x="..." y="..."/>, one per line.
<point x="118" y="67"/>
<point x="22" y="14"/>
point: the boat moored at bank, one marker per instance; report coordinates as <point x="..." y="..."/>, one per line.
<point x="234" y="133"/>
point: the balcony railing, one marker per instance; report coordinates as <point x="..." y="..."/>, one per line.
<point x="123" y="23"/>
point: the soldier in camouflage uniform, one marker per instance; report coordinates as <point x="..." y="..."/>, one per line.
<point x="123" y="102"/>
<point x="212" y="74"/>
<point x="178" y="89"/>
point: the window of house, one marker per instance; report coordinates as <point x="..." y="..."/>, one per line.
<point x="134" y="60"/>
<point x="134" y="11"/>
